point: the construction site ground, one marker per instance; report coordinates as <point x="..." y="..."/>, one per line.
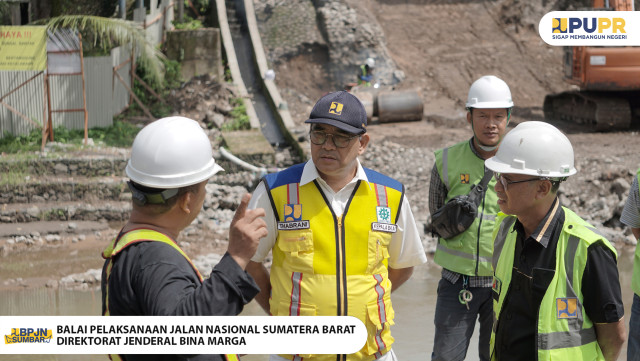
<point x="441" y="47"/>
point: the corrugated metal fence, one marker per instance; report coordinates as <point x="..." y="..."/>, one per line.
<point x="106" y="95"/>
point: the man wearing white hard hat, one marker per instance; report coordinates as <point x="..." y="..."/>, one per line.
<point x="145" y="272"/>
<point x="556" y="289"/>
<point x="365" y="73"/>
<point x="464" y="292"/>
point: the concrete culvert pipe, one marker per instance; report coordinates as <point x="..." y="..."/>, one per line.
<point x="368" y="96"/>
<point x="399" y="105"/>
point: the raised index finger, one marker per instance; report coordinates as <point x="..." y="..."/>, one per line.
<point x="242" y="208"/>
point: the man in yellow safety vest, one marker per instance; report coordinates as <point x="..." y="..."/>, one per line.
<point x="342" y="236"/>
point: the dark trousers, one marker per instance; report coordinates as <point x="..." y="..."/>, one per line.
<point x="455" y="324"/>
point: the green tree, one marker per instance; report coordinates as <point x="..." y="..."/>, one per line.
<point x="107" y="33"/>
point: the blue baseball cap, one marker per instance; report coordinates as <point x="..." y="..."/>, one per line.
<point x="341" y="110"/>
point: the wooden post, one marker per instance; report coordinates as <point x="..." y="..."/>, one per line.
<point x="49" y="120"/>
<point x="84" y="93"/>
<point x="132" y="68"/>
<point x="144" y="109"/>
<point x="44" y="115"/>
<point x="146" y="86"/>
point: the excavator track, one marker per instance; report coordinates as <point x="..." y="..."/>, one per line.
<point x="589" y="110"/>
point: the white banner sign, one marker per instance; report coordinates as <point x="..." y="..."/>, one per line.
<point x="593" y="28"/>
<point x="181" y="335"/>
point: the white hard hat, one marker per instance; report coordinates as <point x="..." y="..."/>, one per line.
<point x="171" y="152"/>
<point x="371" y="63"/>
<point x="269" y="74"/>
<point x="489" y="92"/>
<point x="534" y="148"/>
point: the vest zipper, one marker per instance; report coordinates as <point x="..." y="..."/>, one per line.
<point x="341" y="270"/>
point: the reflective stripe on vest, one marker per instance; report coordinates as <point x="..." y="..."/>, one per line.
<point x="563" y="332"/>
<point x="296" y="279"/>
<point x="311" y="267"/>
<point x="470" y="252"/>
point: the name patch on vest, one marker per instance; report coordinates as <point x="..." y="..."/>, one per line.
<point x="567" y="307"/>
<point x="288" y="226"/>
<point x="384" y="227"/>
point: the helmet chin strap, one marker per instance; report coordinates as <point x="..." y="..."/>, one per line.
<point x="485" y="147"/>
<point x="488" y="148"/>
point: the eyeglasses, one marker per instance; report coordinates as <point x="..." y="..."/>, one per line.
<point x="505" y="182"/>
<point x="319" y="138"/>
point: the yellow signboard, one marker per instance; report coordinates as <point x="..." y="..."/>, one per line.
<point x="23" y="48"/>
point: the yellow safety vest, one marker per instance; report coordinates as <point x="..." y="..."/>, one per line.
<point x="468" y="253"/>
<point x="132" y="237"/>
<point x="327" y="265"/>
<point x="565" y="331"/>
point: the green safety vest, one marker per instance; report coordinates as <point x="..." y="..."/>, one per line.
<point x="468" y="253"/>
<point x="132" y="237"/>
<point x="635" y="278"/>
<point x="364" y="73"/>
<point x="565" y="331"/>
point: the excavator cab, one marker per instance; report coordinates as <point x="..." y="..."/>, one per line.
<point x="608" y="79"/>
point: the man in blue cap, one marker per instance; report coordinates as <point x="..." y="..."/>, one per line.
<point x="342" y="236"/>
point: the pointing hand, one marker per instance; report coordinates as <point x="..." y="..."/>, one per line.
<point x="247" y="227"/>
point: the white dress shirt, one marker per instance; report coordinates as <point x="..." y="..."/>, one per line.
<point x="405" y="248"/>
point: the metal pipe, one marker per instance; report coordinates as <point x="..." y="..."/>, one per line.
<point x="225" y="153"/>
<point x="399" y="105"/>
<point x="122" y="9"/>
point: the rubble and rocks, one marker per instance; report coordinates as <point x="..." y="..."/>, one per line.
<point x="345" y="30"/>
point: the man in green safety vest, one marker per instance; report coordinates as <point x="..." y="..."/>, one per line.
<point x="556" y="290"/>
<point x="464" y="292"/>
<point x="365" y="72"/>
<point x="146" y="273"/>
<point x="631" y="217"/>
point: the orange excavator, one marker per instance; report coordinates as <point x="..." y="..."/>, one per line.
<point x="609" y="83"/>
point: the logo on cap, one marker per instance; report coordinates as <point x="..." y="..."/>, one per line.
<point x="336" y="108"/>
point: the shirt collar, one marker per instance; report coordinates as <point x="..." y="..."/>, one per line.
<point x="310" y="173"/>
<point x="473" y="149"/>
<point x="542" y="233"/>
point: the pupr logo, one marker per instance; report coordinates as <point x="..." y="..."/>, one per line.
<point x="588" y="25"/>
<point x="28" y="335"/>
<point x="292" y="212"/>
<point x="336" y="108"/>
<point x="567" y="307"/>
<point x="559" y="25"/>
<point x="590" y="28"/>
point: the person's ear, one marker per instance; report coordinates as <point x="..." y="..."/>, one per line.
<point x="543" y="188"/>
<point x="184" y="202"/>
<point x="364" y="141"/>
